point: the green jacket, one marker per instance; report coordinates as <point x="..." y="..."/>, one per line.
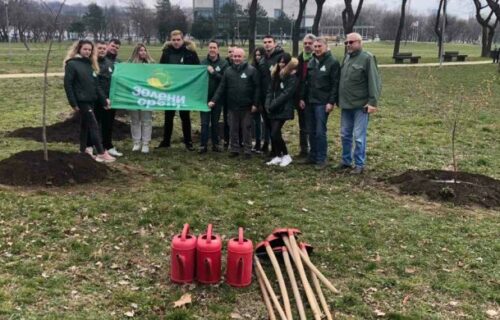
<point x="322" y="81"/>
<point x="265" y="67"/>
<point x="81" y="84"/>
<point x="106" y="67"/>
<point x="280" y="100"/>
<point x="360" y="82"/>
<point x="241" y="87"/>
<point x="214" y="79"/>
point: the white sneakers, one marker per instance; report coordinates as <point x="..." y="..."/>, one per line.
<point x="90" y="152"/>
<point x="105" y="157"/>
<point x="281" y="161"/>
<point x="145" y="148"/>
<point x="286" y="160"/>
<point x="136" y="147"/>
<point x="115" y="153"/>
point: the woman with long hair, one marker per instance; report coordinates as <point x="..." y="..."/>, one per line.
<point x="84" y="95"/>
<point x="257" y="119"/>
<point x="141" y="120"/>
<point x="280" y="105"/>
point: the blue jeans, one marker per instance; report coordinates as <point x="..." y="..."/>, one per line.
<point x="317" y="119"/>
<point x="353" y="125"/>
<point x="210" y="126"/>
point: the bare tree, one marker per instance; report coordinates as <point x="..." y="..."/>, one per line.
<point x="495" y="7"/>
<point x="397" y="42"/>
<point x="296" y="27"/>
<point x="488" y="26"/>
<point x="349" y="17"/>
<point x="143" y="17"/>
<point x="438" y="27"/>
<point x="317" y="16"/>
<point x="252" y="12"/>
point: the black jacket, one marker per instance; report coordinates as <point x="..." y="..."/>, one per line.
<point x="266" y="64"/>
<point x="322" y="81"/>
<point x="186" y="54"/>
<point x="106" y="67"/>
<point x="81" y="84"/>
<point x="215" y="78"/>
<point x="241" y="87"/>
<point x="280" y="100"/>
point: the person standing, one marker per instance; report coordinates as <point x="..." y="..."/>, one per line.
<point x="84" y="94"/>
<point x="141" y="120"/>
<point x="240" y="85"/>
<point x="266" y="64"/>
<point x="210" y="120"/>
<point x="321" y="93"/>
<point x="304" y="57"/>
<point x="280" y="103"/>
<point x="257" y="118"/>
<point x="359" y="93"/>
<point x="225" y="118"/>
<point x="178" y="51"/>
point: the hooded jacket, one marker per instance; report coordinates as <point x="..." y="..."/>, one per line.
<point x="241" y="87"/>
<point x="81" y="84"/>
<point x="266" y="64"/>
<point x="214" y="79"/>
<point x="186" y="54"/>
<point x="280" y="100"/>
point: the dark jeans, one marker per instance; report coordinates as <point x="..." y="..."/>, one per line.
<point x="267" y="128"/>
<point x="303" y="135"/>
<point x="168" y="126"/>
<point x="278" y="144"/>
<point x="89" y="129"/>
<point x="106" y="119"/>
<point x="240" y="120"/>
<point x="257" y="122"/>
<point x="209" y="126"/>
<point x="225" y="118"/>
<point x="317" y="119"/>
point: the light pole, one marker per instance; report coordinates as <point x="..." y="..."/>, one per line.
<point x="291" y="27"/>
<point x="6" y="2"/>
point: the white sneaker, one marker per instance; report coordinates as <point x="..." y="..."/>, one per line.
<point x="145" y="148"/>
<point x="105" y="157"/>
<point x="274" y="161"/>
<point x="115" y="153"/>
<point x="136" y="147"/>
<point x="286" y="160"/>
<point x="90" y="152"/>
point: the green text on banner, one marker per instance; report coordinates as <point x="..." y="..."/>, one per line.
<point x="152" y="87"/>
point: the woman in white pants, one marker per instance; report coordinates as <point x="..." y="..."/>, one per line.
<point x="142" y="121"/>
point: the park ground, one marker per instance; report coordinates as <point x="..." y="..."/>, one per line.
<point x="101" y="251"/>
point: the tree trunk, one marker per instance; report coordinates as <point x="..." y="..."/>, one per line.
<point x="485" y="36"/>
<point x="252" y="25"/>
<point x="397" y="42"/>
<point x="317" y="17"/>
<point x="349" y="17"/>
<point x="437" y="28"/>
<point x="296" y="27"/>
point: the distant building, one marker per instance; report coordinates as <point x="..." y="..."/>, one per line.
<point x="274" y="8"/>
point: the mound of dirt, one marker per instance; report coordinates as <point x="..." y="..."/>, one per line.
<point x="28" y="168"/>
<point x="439" y="185"/>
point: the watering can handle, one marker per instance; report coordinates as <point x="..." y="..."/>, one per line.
<point x="185" y="231"/>
<point x="208" y="265"/>
<point x="240" y="235"/>
<point x="209" y="233"/>
<point x="241" y="267"/>
<point x="182" y="264"/>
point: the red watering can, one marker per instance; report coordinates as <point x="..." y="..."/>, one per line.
<point x="239" y="261"/>
<point x="182" y="257"/>
<point x="208" y="261"/>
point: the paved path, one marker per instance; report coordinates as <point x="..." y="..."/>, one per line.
<point x="404" y="65"/>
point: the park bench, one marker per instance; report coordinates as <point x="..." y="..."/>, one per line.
<point x="448" y="56"/>
<point x="402" y="56"/>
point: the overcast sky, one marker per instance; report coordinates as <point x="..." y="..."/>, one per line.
<point x="462" y="8"/>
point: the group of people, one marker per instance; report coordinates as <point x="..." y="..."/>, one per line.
<point x="256" y="98"/>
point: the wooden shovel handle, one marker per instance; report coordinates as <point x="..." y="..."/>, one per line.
<point x="295" y="287"/>
<point x="281" y="281"/>
<point x="269" y="289"/>
<point x="265" y="296"/>
<point x="321" y="277"/>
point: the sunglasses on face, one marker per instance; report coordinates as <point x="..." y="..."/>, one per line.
<point x="350" y="42"/>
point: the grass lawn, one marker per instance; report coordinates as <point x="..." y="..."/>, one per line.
<point x="99" y="251"/>
<point x="23" y="61"/>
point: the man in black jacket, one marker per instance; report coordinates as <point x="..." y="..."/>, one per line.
<point x="273" y="55"/>
<point x="107" y="57"/>
<point x="241" y="87"/>
<point x="178" y="51"/>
